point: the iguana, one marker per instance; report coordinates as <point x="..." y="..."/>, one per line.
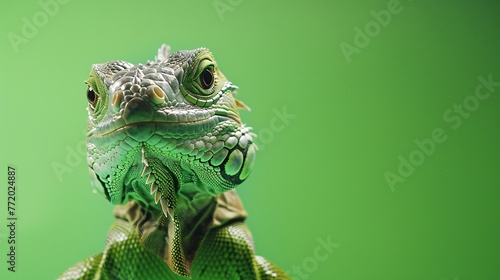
<point x="166" y="144"/>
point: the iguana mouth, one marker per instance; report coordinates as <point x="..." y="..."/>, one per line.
<point x="145" y="129"/>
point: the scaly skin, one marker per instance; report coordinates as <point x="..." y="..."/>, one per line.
<point x="169" y="131"/>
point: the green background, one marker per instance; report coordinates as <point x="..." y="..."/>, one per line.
<point x="320" y="174"/>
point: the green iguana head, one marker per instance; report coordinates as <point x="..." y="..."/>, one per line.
<point x="165" y="129"/>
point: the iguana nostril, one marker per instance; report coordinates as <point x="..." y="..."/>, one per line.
<point x="156" y="94"/>
<point x="137" y="110"/>
<point x="117" y="99"/>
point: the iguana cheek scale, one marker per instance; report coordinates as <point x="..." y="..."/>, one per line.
<point x="166" y="144"/>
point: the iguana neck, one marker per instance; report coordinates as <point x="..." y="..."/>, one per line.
<point x="193" y="219"/>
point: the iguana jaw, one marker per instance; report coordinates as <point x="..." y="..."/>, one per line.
<point x="224" y="145"/>
<point x="165" y="128"/>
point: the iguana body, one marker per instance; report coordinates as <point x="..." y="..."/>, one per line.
<point x="165" y="142"/>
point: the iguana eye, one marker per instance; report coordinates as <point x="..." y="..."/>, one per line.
<point x="207" y="78"/>
<point x="92" y="97"/>
<point x="202" y="83"/>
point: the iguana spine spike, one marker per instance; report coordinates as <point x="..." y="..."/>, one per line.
<point x="157" y="196"/>
<point x="146" y="171"/>
<point x="164" y="207"/>
<point x="151" y="178"/>
<point x="154" y="188"/>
